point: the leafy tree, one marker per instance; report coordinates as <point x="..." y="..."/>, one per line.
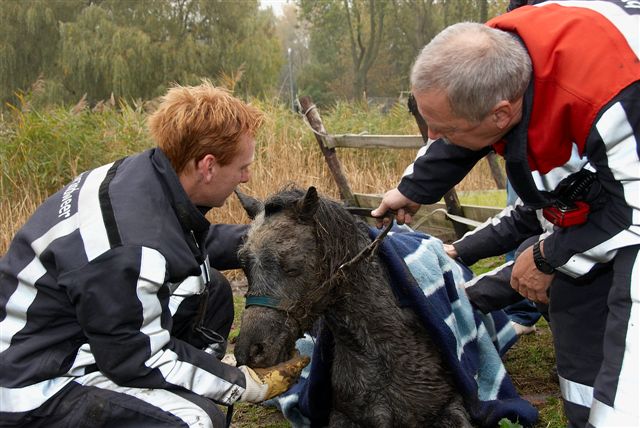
<point x="416" y="21"/>
<point x="134" y="49"/>
<point x="100" y="57"/>
<point x="340" y="38"/>
<point x="29" y="41"/>
<point x="351" y="27"/>
<point x="364" y="37"/>
<point x="293" y="34"/>
<point x="327" y="47"/>
<point x="412" y="24"/>
<point x="258" y="54"/>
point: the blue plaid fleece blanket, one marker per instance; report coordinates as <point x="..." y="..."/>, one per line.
<point x="427" y="280"/>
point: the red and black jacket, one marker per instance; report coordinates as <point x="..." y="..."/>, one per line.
<point x="581" y="110"/>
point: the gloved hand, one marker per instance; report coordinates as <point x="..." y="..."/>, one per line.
<point x="230" y="359"/>
<point x="266" y="383"/>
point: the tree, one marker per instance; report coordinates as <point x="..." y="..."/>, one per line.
<point x="134" y="49"/>
<point x="416" y="21"/>
<point x="100" y="57"/>
<point x="364" y="40"/>
<point x="261" y="56"/>
<point x="356" y="26"/>
<point x="293" y="34"/>
<point x="412" y="24"/>
<point x="29" y="41"/>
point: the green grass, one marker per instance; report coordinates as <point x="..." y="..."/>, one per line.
<point x="552" y="414"/>
<point x="489" y="198"/>
<point x="238" y="307"/>
<point x="531" y="365"/>
<point x="488" y="264"/>
<point x="246" y="415"/>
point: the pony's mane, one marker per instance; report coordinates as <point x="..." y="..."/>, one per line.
<point x="340" y="235"/>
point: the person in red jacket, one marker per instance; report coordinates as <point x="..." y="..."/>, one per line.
<point x="555" y="89"/>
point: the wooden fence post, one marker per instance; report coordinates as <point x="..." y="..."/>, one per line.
<point x="496" y="171"/>
<point x="313" y="117"/>
<point x="451" y="197"/>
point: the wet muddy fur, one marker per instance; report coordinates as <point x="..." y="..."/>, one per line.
<point x="386" y="370"/>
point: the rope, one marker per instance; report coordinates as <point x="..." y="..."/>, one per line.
<point x="306" y="121"/>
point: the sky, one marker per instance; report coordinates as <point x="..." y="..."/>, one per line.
<point x="276" y="5"/>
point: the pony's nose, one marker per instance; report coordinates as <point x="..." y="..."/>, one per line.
<point x="256" y="352"/>
<point x="251" y="355"/>
<point x="242" y="356"/>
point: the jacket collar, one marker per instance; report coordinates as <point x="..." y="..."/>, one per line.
<point x="517" y="161"/>
<point x="190" y="216"/>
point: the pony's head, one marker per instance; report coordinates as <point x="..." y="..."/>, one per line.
<point x="296" y="241"/>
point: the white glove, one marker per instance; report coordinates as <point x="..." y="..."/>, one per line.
<point x="263" y="384"/>
<point x="230" y="359"/>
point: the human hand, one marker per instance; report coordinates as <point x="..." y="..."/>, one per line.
<point x="527" y="280"/>
<point x="450" y="250"/>
<point x="394" y="200"/>
<point x="263" y="384"/>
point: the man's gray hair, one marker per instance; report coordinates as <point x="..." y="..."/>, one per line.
<point x="475" y="65"/>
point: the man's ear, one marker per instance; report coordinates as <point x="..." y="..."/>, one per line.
<point x="206" y="167"/>
<point x="502" y="114"/>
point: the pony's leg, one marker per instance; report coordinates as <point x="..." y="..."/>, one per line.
<point x="454" y="415"/>
<point x="339" y="420"/>
<point x="373" y="420"/>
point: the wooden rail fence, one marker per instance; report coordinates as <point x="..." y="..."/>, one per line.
<point x="448" y="220"/>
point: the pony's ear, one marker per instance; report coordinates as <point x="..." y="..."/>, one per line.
<point x="309" y="204"/>
<point x="251" y="205"/>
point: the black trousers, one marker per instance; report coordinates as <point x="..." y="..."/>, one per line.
<point x="578" y="313"/>
<point x="596" y="332"/>
<point x="95" y="401"/>
<point x="492" y="291"/>
<point x="91" y="406"/>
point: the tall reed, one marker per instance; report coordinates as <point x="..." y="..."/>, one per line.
<point x="41" y="151"/>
